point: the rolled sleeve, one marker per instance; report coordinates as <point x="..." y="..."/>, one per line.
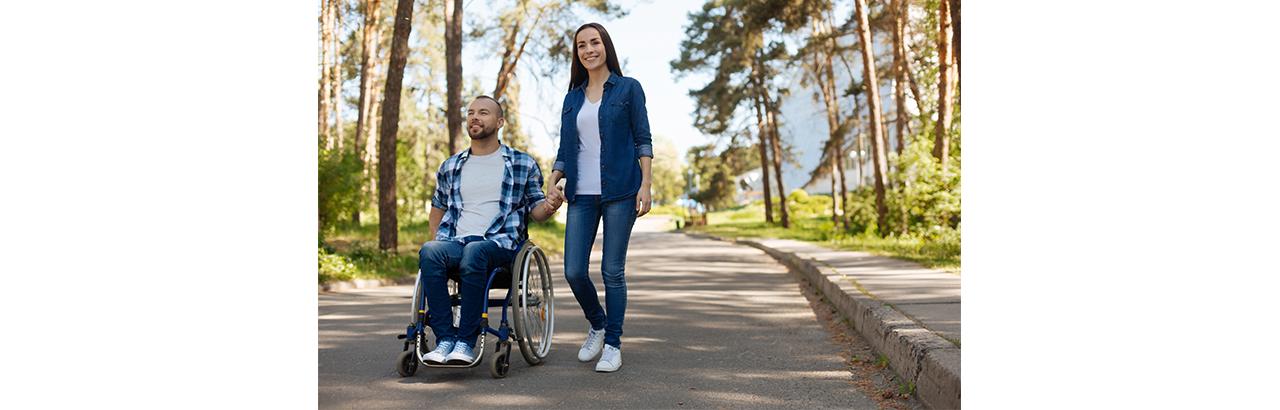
<point x="640" y="122"/>
<point x="558" y="166"/>
<point x="533" y="188"/>
<point x="440" y="198"/>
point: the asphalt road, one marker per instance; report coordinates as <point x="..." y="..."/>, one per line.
<point x="709" y="325"/>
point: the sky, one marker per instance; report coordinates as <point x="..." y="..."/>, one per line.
<point x="647" y="39"/>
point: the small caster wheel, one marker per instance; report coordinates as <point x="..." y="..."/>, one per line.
<point x="501" y="363"/>
<point x="406" y="363"/>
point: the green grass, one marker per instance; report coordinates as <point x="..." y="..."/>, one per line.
<point x="352" y="252"/>
<point x="748" y="222"/>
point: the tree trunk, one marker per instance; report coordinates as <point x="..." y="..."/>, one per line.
<point x="335" y="74"/>
<point x="940" y="140"/>
<point x="899" y="72"/>
<point x="387" y="226"/>
<point x="326" y="37"/>
<point x="955" y="34"/>
<point x="858" y="140"/>
<point x="368" y="55"/>
<point x="511" y="54"/>
<point x="834" y="121"/>
<point x="764" y="160"/>
<point x="878" y="156"/>
<point x="775" y="142"/>
<point x="453" y="71"/>
<point x="777" y="160"/>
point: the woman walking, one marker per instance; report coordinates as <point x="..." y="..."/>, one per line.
<point x="604" y="156"/>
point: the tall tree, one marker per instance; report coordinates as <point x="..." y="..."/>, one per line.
<point x="776" y="148"/>
<point x="387" y="224"/>
<point x="717" y="40"/>
<point x="945" y="86"/>
<point x="955" y="33"/>
<point x="453" y="71"/>
<point x="335" y="83"/>
<point x="511" y="50"/>
<point x="763" y="146"/>
<point x="326" y="39"/>
<point x="899" y="10"/>
<point x="366" y="119"/>
<point x="878" y="156"/>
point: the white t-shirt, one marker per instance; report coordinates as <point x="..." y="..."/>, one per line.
<point x="589" y="155"/>
<point x="481" y="192"/>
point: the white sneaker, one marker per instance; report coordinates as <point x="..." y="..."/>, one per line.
<point x="461" y="354"/>
<point x="610" y="361"/>
<point x="591" y="347"/>
<point x="443" y="348"/>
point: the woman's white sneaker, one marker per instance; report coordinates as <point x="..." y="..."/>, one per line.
<point x="611" y="360"/>
<point x="591" y="347"/>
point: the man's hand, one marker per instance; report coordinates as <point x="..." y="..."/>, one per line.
<point x="555" y="195"/>
<point x="555" y="198"/>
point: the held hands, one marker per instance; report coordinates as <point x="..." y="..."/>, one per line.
<point x="555" y="196"/>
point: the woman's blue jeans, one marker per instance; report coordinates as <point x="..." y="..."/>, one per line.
<point x="585" y="213"/>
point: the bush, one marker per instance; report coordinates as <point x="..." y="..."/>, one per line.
<point x="802" y="205"/>
<point x="339" y="187"/>
<point x="334" y="267"/>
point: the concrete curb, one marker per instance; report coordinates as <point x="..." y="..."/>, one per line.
<point x="338" y="286"/>
<point x="918" y="355"/>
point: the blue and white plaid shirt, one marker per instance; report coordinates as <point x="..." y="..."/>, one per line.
<point x="521" y="192"/>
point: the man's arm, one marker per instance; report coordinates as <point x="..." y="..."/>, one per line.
<point x="438" y="202"/>
<point x="434" y="221"/>
<point x="543" y="205"/>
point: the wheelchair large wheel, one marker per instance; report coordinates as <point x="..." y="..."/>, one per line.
<point x="534" y="306"/>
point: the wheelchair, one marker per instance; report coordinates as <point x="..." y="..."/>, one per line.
<point x="529" y="297"/>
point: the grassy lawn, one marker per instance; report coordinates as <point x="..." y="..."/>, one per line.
<point x="352" y="252"/>
<point x="748" y="222"/>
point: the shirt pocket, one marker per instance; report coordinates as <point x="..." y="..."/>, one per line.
<point x="619" y="115"/>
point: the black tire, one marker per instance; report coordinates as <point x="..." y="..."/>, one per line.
<point x="533" y="336"/>
<point x="406" y="363"/>
<point x="501" y="363"/>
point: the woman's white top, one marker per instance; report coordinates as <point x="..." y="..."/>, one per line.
<point x="589" y="155"/>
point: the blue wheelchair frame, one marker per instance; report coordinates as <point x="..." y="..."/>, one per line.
<point x="415" y="334"/>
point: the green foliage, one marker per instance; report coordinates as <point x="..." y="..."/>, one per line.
<point x="803" y="205"/>
<point x="668" y="172"/>
<point x="339" y="187"/>
<point x="942" y="252"/>
<point x="335" y="267"/>
<point x="351" y="251"/>
<point x="716" y="174"/>
<point x="926" y="199"/>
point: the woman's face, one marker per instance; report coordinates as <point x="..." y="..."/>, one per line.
<point x="591" y="52"/>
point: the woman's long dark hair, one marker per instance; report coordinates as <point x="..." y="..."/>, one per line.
<point x="578" y="72"/>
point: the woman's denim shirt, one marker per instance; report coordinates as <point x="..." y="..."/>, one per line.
<point x="624" y="138"/>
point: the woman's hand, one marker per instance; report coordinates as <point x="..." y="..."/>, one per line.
<point x="644" y="200"/>
<point x="555" y="190"/>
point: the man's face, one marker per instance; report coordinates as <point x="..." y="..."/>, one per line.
<point x="482" y="119"/>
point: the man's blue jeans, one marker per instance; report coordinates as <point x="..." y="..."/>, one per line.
<point x="473" y="260"/>
<point x="585" y="213"/>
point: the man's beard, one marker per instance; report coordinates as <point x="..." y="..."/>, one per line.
<point x="484" y="133"/>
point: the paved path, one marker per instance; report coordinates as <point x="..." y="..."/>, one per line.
<point x="709" y="324"/>
<point x="928" y="296"/>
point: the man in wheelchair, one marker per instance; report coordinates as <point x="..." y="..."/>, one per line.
<point x="482" y="197"/>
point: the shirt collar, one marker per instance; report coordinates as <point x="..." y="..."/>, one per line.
<point x="502" y="148"/>
<point x="609" y="82"/>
